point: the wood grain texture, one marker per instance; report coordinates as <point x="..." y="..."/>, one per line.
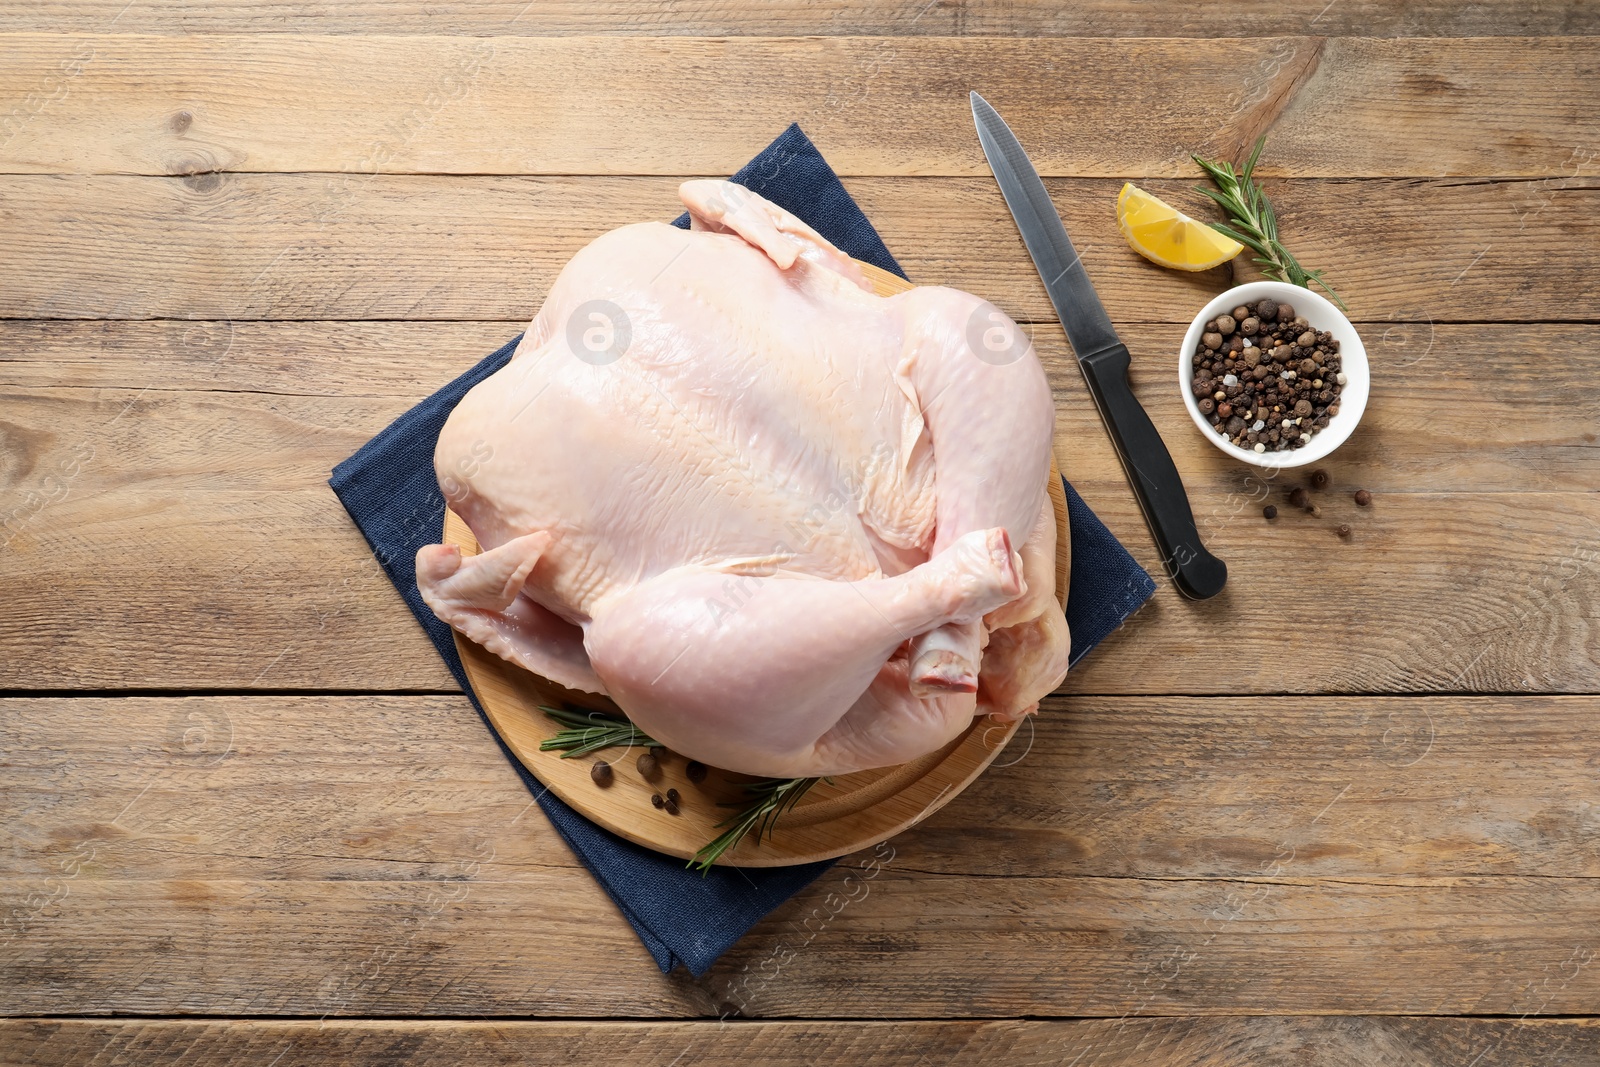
<point x="912" y="946"/>
<point x="1088" y="946"/>
<point x="1492" y="585"/>
<point x="372" y="788"/>
<point x="1480" y="397"/>
<point x="1358" y="788"/>
<point x="244" y="247"/>
<point x="151" y="460"/>
<point x="281" y="897"/>
<point x="377" y="855"/>
<point x="795" y="18"/>
<point x="164" y="522"/>
<point x="1279" y="1041"/>
<point x="95" y="103"/>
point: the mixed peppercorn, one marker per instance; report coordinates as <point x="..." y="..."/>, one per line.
<point x="1298" y="498"/>
<point x="1265" y="379"/>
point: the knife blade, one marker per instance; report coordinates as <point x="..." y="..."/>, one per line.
<point x="1103" y="359"/>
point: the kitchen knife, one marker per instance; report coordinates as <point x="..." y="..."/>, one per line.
<point x="1104" y="360"/>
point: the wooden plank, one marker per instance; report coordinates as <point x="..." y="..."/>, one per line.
<point x="301" y="900"/>
<point x="151" y="479"/>
<point x="243" y="247"/>
<point x="365" y="788"/>
<point x="374" y="788"/>
<point x="401" y="872"/>
<point x="397" y="361"/>
<point x="796" y="18"/>
<point x="93" y="103"/>
<point x="1084" y="946"/>
<point x="1479" y="397"/>
<point x="1486" y="587"/>
<point x="914" y="946"/>
<point x="1367" y="787"/>
<point x="1263" y="1041"/>
<point x="1446" y="593"/>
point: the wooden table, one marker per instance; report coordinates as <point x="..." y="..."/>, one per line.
<point x="1347" y="812"/>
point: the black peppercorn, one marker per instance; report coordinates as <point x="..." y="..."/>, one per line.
<point x="1283" y="384"/>
<point x="671" y="806"/>
<point x="600" y="773"/>
<point x="672" y="796"/>
<point x="655" y="798"/>
<point x="1270" y="511"/>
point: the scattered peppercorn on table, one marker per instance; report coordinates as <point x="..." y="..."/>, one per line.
<point x="1347" y="811"/>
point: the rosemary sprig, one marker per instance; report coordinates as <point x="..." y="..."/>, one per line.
<point x="770" y="799"/>
<point x="1255" y="224"/>
<point x="590" y="731"/>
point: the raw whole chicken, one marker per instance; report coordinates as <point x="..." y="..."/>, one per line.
<point x="791" y="527"/>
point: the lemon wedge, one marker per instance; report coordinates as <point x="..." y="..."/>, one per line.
<point x="1163" y="234"/>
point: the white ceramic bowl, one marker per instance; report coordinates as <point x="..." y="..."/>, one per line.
<point x="1322" y="315"/>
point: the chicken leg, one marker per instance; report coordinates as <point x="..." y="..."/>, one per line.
<point x="694" y="652"/>
<point x="483" y="597"/>
<point x="966" y="389"/>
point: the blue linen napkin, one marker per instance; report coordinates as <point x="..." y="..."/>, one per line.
<point x="389" y="488"/>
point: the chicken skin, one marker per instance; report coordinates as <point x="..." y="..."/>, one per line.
<point x="791" y="527"/>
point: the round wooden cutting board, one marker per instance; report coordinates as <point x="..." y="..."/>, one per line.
<point x="835" y="817"/>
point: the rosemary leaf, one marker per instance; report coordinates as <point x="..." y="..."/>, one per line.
<point x="1245" y="239"/>
<point x="1255" y="223"/>
<point x="769" y="799"/>
<point x="590" y="731"/>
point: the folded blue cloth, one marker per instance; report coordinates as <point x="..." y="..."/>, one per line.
<point x="388" y="487"/>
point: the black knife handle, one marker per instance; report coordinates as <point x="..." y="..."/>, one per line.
<point x="1197" y="573"/>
